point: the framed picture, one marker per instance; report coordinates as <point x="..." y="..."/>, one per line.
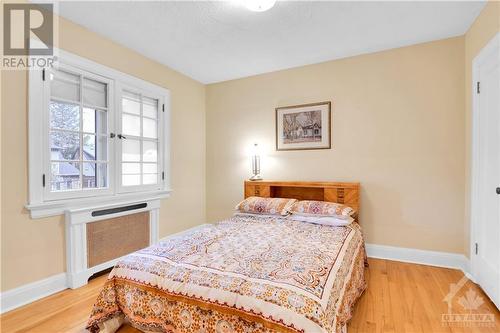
<point x="301" y="127"/>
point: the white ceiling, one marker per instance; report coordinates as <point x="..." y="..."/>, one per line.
<point x="222" y="40"/>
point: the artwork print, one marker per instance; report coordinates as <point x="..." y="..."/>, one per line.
<point x="303" y="127"/>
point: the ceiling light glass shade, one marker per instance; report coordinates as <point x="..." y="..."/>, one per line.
<point x="259" y="5"/>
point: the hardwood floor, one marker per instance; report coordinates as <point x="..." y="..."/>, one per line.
<point x="400" y="298"/>
<point x="408" y="298"/>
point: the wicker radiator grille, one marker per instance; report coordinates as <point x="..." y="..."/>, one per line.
<point x="116" y="237"/>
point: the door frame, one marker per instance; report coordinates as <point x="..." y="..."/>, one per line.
<point x="486" y="51"/>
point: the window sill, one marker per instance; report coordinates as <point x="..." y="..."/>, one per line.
<point x="59" y="207"/>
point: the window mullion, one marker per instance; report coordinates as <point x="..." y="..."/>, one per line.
<point x="81" y="132"/>
<point x="117" y="166"/>
<point x="141" y="139"/>
<point x="159" y="145"/>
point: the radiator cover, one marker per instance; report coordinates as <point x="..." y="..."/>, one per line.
<point x="97" y="237"/>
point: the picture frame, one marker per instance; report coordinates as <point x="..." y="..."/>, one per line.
<point x="304" y="127"/>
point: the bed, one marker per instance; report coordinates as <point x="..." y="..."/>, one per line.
<point x="249" y="273"/>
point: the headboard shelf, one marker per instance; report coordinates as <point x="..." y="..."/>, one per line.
<point x="340" y="192"/>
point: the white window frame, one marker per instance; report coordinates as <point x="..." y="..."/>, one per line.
<point x="44" y="203"/>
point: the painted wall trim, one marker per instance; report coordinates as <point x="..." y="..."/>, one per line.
<point x="31" y="292"/>
<point x="423" y="257"/>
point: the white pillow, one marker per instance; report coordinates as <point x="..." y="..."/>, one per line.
<point x="238" y="213"/>
<point x="324" y="220"/>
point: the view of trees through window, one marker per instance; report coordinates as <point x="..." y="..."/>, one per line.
<point x="78" y="138"/>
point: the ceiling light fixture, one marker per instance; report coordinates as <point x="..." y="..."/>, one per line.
<point x="259" y="5"/>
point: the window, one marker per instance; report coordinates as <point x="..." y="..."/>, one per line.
<point x="78" y="112"/>
<point x="95" y="132"/>
<point x="140" y="144"/>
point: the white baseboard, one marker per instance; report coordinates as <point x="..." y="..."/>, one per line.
<point x="423" y="257"/>
<point x="31" y="292"/>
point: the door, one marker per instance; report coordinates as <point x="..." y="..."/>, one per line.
<point x="485" y="213"/>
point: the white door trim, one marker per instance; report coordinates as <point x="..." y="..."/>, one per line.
<point x="492" y="45"/>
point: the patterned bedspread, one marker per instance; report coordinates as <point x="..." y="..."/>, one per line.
<point x="245" y="274"/>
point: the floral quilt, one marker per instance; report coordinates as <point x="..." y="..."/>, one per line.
<point x="245" y="274"/>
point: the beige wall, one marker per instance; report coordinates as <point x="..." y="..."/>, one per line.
<point x="35" y="249"/>
<point x="398" y="128"/>
<point x="485" y="27"/>
<point x="400" y="123"/>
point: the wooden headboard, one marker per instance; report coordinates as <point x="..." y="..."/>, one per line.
<point x="344" y="193"/>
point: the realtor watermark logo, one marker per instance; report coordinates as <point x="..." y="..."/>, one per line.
<point x="28" y="35"/>
<point x="471" y="302"/>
